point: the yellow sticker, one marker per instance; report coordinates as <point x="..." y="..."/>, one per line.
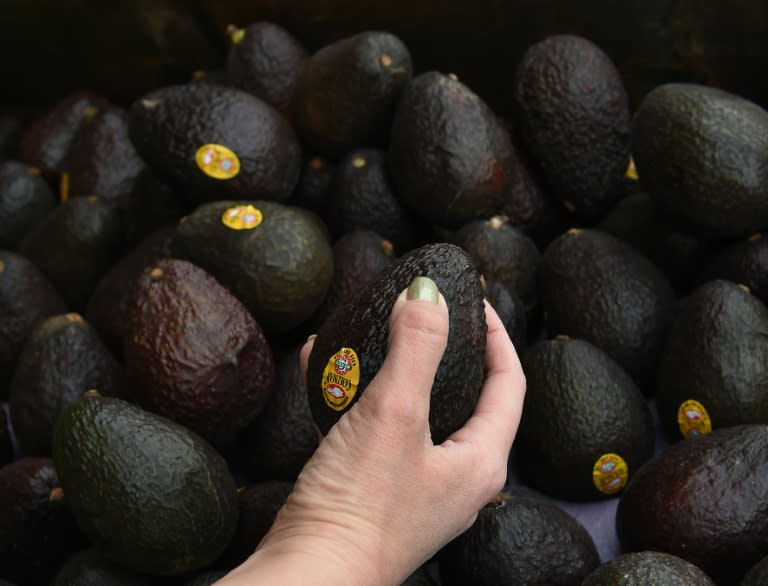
<point x="693" y="419"/>
<point x="610" y="473"/>
<point x="632" y="170"/>
<point x="217" y="161"/>
<point x="243" y="217"/>
<point x="340" y="379"/>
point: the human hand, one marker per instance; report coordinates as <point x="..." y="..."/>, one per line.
<point x="378" y="498"/>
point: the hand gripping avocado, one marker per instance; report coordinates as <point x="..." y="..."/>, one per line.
<point x="352" y="343"/>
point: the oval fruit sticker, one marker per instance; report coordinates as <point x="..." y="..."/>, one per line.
<point x="217" y="161"/>
<point x="242" y="217"/>
<point x="693" y="419"/>
<point x="340" y="379"/>
<point x="610" y="473"/>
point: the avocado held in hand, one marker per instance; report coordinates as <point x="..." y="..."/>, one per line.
<point x="213" y="142"/>
<point x="193" y="352"/>
<point x="351" y="345"/>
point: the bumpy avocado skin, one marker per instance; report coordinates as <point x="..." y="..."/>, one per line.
<point x="648" y="568"/>
<point x="363" y="325"/>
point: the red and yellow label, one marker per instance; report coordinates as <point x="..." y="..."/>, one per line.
<point x="693" y="419"/>
<point x="243" y="217"/>
<point x="340" y="379"/>
<point x="217" y="161"/>
<point x="610" y="473"/>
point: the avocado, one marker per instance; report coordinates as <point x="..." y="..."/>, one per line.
<point x="47" y="141"/>
<point x="703" y="500"/>
<point x="90" y="568"/>
<point x="524" y="200"/>
<point x="511" y="312"/>
<point x="152" y="495"/>
<point x="715" y="362"/>
<point x="586" y="427"/>
<point x="280" y="440"/>
<point x="75" y="245"/>
<point x="451" y="158"/>
<point x="362" y="198"/>
<point x="346" y="92"/>
<point x="744" y="261"/>
<point x="358" y="257"/>
<point x="276" y="259"/>
<point x="216" y="76"/>
<point x="757" y="575"/>
<point x="152" y="205"/>
<point x="213" y="142"/>
<point x="25" y="198"/>
<point x="62" y="358"/>
<point x="103" y="160"/>
<point x="37" y="530"/>
<point x="6" y="443"/>
<point x="265" y="60"/>
<point x="677" y="248"/>
<point x="702" y="153"/>
<point x="206" y="578"/>
<point x="519" y="539"/>
<point x="313" y="189"/>
<point x="258" y="504"/>
<point x="572" y="116"/>
<point x="648" y="568"/>
<point x="26" y="298"/>
<point x="193" y="352"/>
<point x="106" y="308"/>
<point x="595" y="287"/>
<point x="503" y="253"/>
<point x="351" y="345"/>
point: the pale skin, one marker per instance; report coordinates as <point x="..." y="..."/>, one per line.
<point x="378" y="498"/>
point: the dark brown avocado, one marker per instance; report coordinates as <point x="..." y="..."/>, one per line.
<point x="37" y="530"/>
<point x="511" y="312"/>
<point x="595" y="287"/>
<point x="25" y="199"/>
<point x="213" y="142"/>
<point x="757" y="575"/>
<point x="648" y="568"/>
<point x="451" y="158"/>
<point x="704" y="500"/>
<point x="313" y="189"/>
<point x="572" y="116"/>
<point x="347" y="90"/>
<point x="62" y="358"/>
<point x="265" y="60"/>
<point x="744" y="262"/>
<point x="26" y="299"/>
<point x="75" y="245"/>
<point x="193" y="352"/>
<point x="714" y="367"/>
<point x="352" y="343"/>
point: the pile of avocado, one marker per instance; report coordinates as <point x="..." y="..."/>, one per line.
<point x="162" y="262"/>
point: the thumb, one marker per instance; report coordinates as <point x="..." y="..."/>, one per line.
<point x="418" y="335"/>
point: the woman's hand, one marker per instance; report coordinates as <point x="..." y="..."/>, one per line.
<point x="378" y="498"/>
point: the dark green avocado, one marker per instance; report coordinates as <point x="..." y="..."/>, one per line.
<point x="25" y="199"/>
<point x="90" y="568"/>
<point x="595" y="287"/>
<point x="265" y="60"/>
<point x="26" y="298"/>
<point x="351" y="345"/>
<point x="714" y="366"/>
<point x="213" y="142"/>
<point x="648" y="568"/>
<point x="193" y="352"/>
<point x="524" y="200"/>
<point x="313" y="189"/>
<point x="572" y="116"/>
<point x="62" y="358"/>
<point x="75" y="245"/>
<point x="511" y="312"/>
<point x="153" y="496"/>
<point x="519" y="539"/>
<point x="702" y="154"/>
<point x="37" y="530"/>
<point x="586" y="427"/>
<point x="757" y="575"/>
<point x="276" y="259"/>
<point x="744" y="262"/>
<point x="451" y="158"/>
<point x="346" y="92"/>
<point x="703" y="500"/>
<point x="362" y="198"/>
<point x="280" y="440"/>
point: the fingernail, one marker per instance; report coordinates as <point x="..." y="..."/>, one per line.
<point x="311" y="337"/>
<point x="423" y="289"/>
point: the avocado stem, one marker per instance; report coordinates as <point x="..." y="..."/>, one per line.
<point x="56" y="495"/>
<point x="385" y="60"/>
